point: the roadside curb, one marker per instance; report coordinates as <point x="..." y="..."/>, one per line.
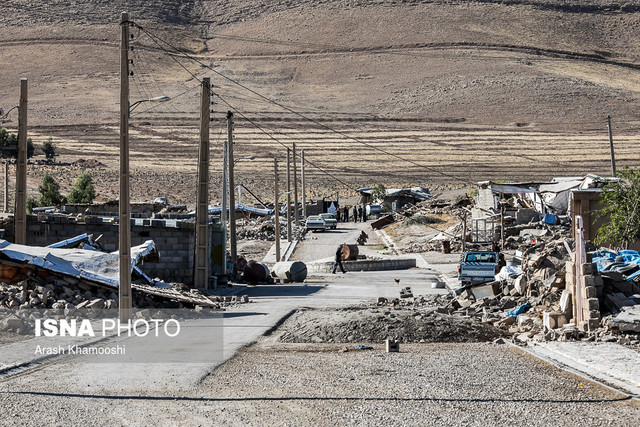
<point x="560" y="361"/>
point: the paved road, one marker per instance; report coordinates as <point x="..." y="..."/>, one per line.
<point x="322" y="246"/>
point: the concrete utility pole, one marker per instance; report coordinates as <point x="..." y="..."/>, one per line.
<point x="304" y="193"/>
<point x="6" y="187"/>
<point x="124" y="228"/>
<point x="276" y="208"/>
<point x="288" y="195"/>
<point x="232" y="191"/>
<point x="20" y="212"/>
<point x="295" y="188"/>
<point x="613" y="159"/>
<point x="201" y="273"/>
<point x="223" y="214"/>
<point x="464" y="231"/>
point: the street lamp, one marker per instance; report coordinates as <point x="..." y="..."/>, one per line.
<point x="124" y="214"/>
<point x="243" y="158"/>
<point x="162" y="98"/>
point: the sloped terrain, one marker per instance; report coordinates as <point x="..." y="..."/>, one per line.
<point x="466" y="90"/>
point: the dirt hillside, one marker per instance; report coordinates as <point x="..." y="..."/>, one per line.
<point x="401" y="92"/>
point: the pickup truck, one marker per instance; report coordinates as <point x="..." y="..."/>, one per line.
<point x="478" y="267"/>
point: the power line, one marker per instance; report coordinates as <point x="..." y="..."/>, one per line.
<point x="283" y="144"/>
<point x="343" y="134"/>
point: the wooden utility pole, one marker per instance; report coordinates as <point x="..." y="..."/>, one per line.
<point x="201" y="265"/>
<point x="295" y="188"/>
<point x="232" y="191"/>
<point x="464" y="231"/>
<point x="6" y="187"/>
<point x="288" y="195"/>
<point x="613" y="159"/>
<point x="20" y="212"/>
<point x="124" y="227"/>
<point x="276" y="207"/>
<point x="304" y="194"/>
<point x="501" y="227"/>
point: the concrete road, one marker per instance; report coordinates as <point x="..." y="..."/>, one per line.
<point x="322" y="245"/>
<point x="199" y="340"/>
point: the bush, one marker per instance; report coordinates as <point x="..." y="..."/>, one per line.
<point x="9" y="145"/>
<point x="83" y="190"/>
<point x="49" y="149"/>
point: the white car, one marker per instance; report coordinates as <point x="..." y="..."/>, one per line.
<point x="316" y="223"/>
<point x="330" y="219"/>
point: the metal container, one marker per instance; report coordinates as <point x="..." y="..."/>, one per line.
<point x="293" y="271"/>
<point x="256" y="272"/>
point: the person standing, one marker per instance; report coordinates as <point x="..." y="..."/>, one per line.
<point x="355" y="213"/>
<point x="345" y="214"/>
<point x="364" y="214"/>
<point x="360" y="213"/>
<point x="338" y="261"/>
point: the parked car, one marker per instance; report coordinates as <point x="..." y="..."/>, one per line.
<point x="330" y="219"/>
<point x="316" y="223"/>
<point x="478" y="267"/>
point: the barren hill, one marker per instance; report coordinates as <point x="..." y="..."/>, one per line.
<point x="465" y="90"/>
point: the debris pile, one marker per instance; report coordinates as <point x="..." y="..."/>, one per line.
<point x="66" y="298"/>
<point x="417" y="321"/>
<point x="265" y="229"/>
<point x="536" y="300"/>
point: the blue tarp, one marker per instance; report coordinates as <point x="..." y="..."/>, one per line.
<point x="623" y="261"/>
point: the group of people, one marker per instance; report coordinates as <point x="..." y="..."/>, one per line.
<point x="356" y="213"/>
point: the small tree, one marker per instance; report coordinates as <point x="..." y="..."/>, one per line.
<point x="83" y="190"/>
<point x="9" y="145"/>
<point x="622" y="208"/>
<point x="50" y="192"/>
<point x="32" y="202"/>
<point x="378" y="194"/>
<point x="49" y="149"/>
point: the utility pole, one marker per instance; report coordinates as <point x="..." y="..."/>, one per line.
<point x="464" y="231"/>
<point x="232" y="191"/>
<point x="304" y="194"/>
<point x="501" y="227"/>
<point x="6" y="187"/>
<point x="201" y="273"/>
<point x="276" y="208"/>
<point x="295" y="188"/>
<point x="20" y="212"/>
<point x="124" y="227"/>
<point x="613" y="159"/>
<point x="288" y="195"/>
<point x="223" y="214"/>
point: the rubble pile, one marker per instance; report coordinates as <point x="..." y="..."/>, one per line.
<point x="418" y="321"/>
<point x="534" y="301"/>
<point x="68" y="298"/>
<point x="265" y="229"/>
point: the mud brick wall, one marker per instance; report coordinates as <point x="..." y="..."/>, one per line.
<point x="174" y="240"/>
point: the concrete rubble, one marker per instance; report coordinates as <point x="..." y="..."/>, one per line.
<point x="265" y="229"/>
<point x="66" y="279"/>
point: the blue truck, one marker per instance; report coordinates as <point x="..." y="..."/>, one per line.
<point x="478" y="267"/>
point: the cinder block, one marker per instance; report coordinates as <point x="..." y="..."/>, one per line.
<point x="590" y="292"/>
<point x="566" y="302"/>
<point x="593" y="304"/>
<point x="587" y="281"/>
<point x="587" y="268"/>
<point x="392" y="346"/>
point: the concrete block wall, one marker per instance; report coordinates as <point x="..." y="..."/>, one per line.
<point x="175" y="244"/>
